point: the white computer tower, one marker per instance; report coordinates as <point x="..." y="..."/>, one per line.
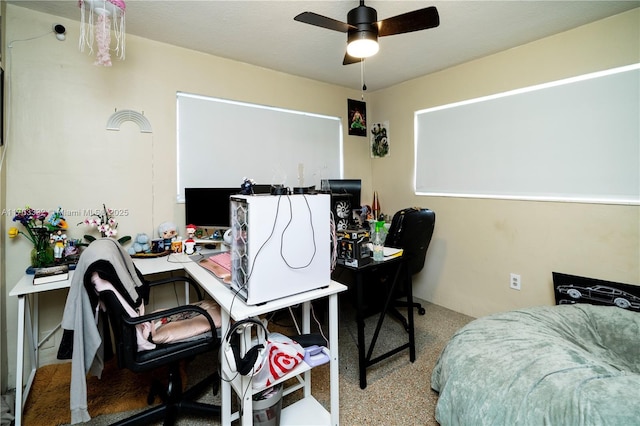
<point x="280" y="245"/>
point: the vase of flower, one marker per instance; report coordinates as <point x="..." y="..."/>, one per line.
<point x="41" y="258"/>
<point x="38" y="230"/>
<point x="42" y="253"/>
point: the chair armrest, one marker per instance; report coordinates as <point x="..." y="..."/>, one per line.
<point x="190" y="280"/>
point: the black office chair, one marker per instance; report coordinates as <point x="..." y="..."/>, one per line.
<point x="175" y="401"/>
<point x="411" y="230"/>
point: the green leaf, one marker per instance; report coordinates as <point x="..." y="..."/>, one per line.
<point x="123" y="240"/>
<point x="89" y="238"/>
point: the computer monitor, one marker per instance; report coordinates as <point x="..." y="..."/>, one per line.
<point x="346" y="186"/>
<point x="208" y="207"/>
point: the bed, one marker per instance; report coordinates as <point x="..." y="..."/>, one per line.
<point x="556" y="365"/>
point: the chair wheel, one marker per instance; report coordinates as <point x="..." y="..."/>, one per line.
<point x="421" y="311"/>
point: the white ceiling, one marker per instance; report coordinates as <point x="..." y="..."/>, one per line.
<point x="264" y="33"/>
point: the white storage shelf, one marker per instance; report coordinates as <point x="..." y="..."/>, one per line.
<point x="307" y="411"/>
<point x="235" y="385"/>
<point x="303" y="411"/>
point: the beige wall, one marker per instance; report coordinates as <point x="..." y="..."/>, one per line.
<point x="60" y="155"/>
<point x="479" y="242"/>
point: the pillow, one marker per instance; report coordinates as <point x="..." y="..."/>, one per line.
<point x="186" y="325"/>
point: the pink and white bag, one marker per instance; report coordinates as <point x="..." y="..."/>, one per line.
<point x="283" y="355"/>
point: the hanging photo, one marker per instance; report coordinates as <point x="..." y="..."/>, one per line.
<point x="357" y="118"/>
<point x="380" y="140"/>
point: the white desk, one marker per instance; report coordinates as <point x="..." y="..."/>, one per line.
<point x="232" y="308"/>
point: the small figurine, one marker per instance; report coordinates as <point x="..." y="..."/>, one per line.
<point x="59" y="241"/>
<point x="189" y="246"/>
<point x="247" y="186"/>
<point x="71" y="250"/>
<point x="168" y="231"/>
<point x="191" y="231"/>
<point x="140" y="244"/>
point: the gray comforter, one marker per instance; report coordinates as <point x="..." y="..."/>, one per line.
<point x="552" y="365"/>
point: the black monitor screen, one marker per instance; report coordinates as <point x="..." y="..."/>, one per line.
<point x="347" y="186"/>
<point x="208" y="206"/>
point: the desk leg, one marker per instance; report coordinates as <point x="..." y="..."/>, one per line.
<point x="412" y="339"/>
<point x="333" y="366"/>
<point x="245" y="383"/>
<point x="306" y="328"/>
<point x="225" y="386"/>
<point x="20" y="360"/>
<point x="362" y="363"/>
<point x="25" y="325"/>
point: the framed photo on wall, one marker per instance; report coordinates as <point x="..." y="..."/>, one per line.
<point x="357" y="113"/>
<point x="380" y="140"/>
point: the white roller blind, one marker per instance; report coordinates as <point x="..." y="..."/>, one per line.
<point x="571" y="140"/>
<point x="220" y="142"/>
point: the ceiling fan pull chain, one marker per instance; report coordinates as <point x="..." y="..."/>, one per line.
<point x="364" y="86"/>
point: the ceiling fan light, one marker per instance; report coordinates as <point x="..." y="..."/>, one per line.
<point x="363" y="47"/>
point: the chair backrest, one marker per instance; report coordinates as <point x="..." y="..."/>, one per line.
<point x="124" y="337"/>
<point x="411" y="230"/>
<point x="124" y="293"/>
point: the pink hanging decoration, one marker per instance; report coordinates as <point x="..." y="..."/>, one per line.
<point x="103" y="40"/>
<point x="103" y="15"/>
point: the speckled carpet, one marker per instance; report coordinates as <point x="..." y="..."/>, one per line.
<point x="398" y="392"/>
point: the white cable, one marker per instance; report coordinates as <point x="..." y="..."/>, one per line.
<point x="313" y="236"/>
<point x="313" y="313"/>
<point x="10" y="45"/>
<point x="293" y="317"/>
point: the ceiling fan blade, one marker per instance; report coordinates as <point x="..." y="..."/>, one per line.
<point x="411" y="21"/>
<point x="348" y="59"/>
<point x="322" y="21"/>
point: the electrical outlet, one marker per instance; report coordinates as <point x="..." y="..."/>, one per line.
<point x="515" y="282"/>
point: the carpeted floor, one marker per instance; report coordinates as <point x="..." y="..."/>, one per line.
<point x="398" y="391"/>
<point x="118" y="390"/>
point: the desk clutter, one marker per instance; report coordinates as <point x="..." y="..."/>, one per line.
<point x="271" y="355"/>
<point x="359" y="247"/>
<point x="354" y="247"/>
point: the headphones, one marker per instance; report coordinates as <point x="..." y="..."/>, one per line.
<point x="250" y="363"/>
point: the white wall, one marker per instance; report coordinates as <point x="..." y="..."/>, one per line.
<point x="479" y="242"/>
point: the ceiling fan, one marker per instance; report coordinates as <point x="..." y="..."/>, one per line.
<point x="363" y="28"/>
